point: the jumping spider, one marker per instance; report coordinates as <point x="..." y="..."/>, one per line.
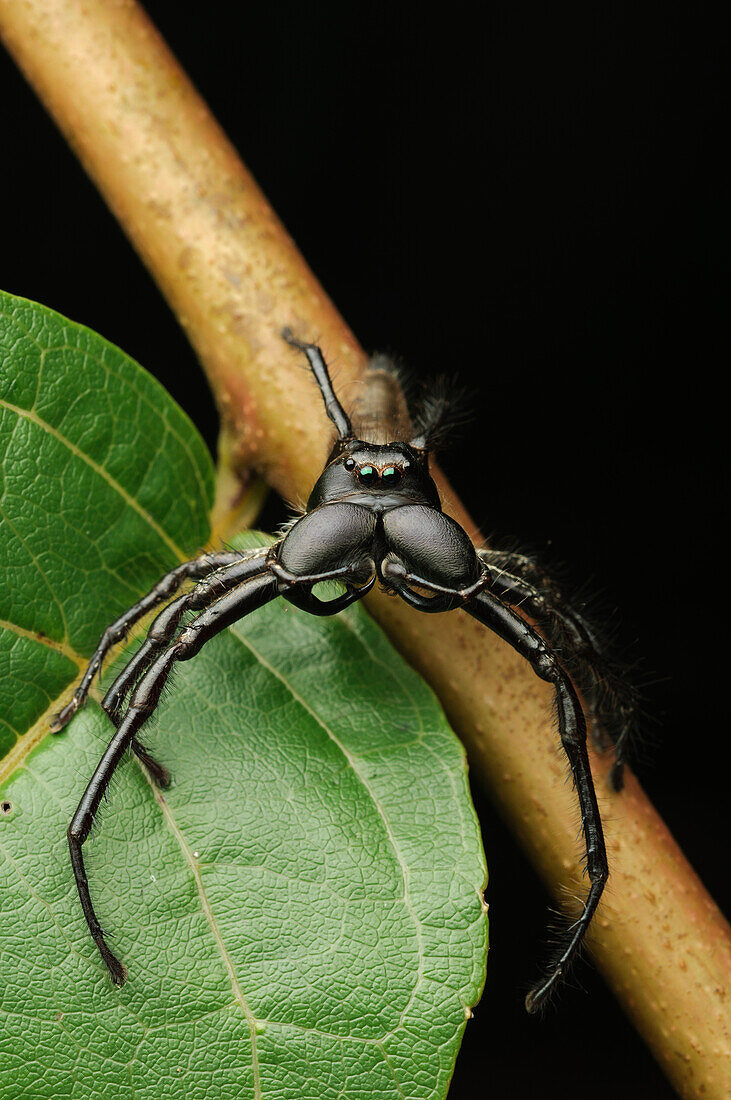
<point x="374" y="514"/>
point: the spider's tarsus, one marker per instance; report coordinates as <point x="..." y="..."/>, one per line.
<point x="301" y="345"/>
<point x="290" y="337"/>
<point x="600" y="739"/>
<point x="159" y="774"/>
<point x="616" y="776"/>
<point x="117" y="970"/>
<point x="537" y="998"/>
<point x="163" y="778"/>
<point x="61" y="720"/>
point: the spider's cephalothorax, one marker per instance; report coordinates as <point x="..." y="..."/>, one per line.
<point x="374" y="514"/>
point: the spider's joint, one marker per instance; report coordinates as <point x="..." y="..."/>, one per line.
<point x="285" y="578"/>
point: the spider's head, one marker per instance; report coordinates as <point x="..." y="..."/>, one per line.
<point x="378" y="475"/>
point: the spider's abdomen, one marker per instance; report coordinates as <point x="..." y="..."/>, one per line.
<point x="328" y="538"/>
<point x="431" y="545"/>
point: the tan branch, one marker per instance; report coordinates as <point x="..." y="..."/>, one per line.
<point x="234" y="278"/>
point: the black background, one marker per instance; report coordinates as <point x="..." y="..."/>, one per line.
<point x="529" y="199"/>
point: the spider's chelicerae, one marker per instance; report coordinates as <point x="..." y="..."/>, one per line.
<point x="373" y="515"/>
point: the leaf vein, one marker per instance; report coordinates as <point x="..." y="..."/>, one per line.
<point x="43" y="639"/>
<point x="101" y="472"/>
<point x="251" y="1019"/>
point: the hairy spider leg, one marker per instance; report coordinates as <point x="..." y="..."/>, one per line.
<point x="334" y="409"/>
<point x="196" y="568"/>
<point x="595" y="672"/>
<point x="509" y="626"/>
<point x="163" y="627"/>
<point x="256" y="579"/>
<point x="566" y="630"/>
<point x="518" y="590"/>
<point x="250" y="595"/>
<point x="248" y="565"/>
<point x="165" y="587"/>
<point x="244" y="565"/>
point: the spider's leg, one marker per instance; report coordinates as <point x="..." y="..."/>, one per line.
<point x="610" y="697"/>
<point x="564" y="628"/>
<point x="616" y="772"/>
<point x="165" y="587"/>
<point x="540" y="598"/>
<point x="163" y="627"/>
<point x="159" y="774"/>
<point x="333" y="408"/>
<point x="161" y="633"/>
<point x="572" y="727"/>
<point x="248" y="596"/>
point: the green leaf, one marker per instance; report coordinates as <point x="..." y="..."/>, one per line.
<point x="104" y="485"/>
<point x="301" y="912"/>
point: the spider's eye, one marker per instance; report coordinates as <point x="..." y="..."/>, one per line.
<point x="368" y="475"/>
<point x="392" y="475"/>
<point x="349" y="464"/>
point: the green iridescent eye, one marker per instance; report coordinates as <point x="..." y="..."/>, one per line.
<point x="392" y="475"/>
<point x="368" y="475"/>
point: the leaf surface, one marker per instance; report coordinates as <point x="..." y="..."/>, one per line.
<point x="301" y="911"/>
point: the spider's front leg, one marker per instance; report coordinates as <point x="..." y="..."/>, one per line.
<point x="221" y="612"/>
<point x="241" y="568"/>
<point x="195" y="569"/>
<point x="162" y="630"/>
<point x="429" y="550"/>
<point x="243" y="586"/>
<point x="572" y="728"/>
<point x="206" y="569"/>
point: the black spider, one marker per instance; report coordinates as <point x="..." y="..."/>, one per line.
<point x="373" y="515"/>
